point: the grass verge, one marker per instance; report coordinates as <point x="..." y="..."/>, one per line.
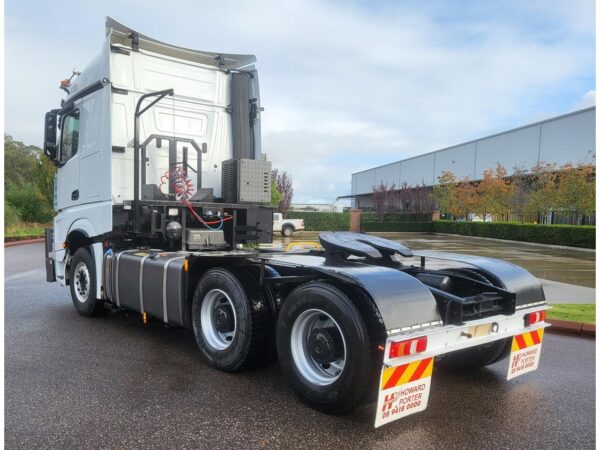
<point x="23" y="231"/>
<point x="576" y="313"/>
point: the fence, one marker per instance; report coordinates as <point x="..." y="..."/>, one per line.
<point x="551" y="218"/>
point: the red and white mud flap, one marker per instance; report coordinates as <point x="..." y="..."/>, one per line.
<point x="403" y="390"/>
<point x="525" y="353"/>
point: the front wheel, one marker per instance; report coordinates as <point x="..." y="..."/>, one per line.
<point x="82" y="280"/>
<point x="324" y="348"/>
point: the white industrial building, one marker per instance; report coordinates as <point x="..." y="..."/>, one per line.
<point x="567" y="138"/>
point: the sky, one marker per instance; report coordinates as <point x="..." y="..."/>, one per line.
<point x="346" y="85"/>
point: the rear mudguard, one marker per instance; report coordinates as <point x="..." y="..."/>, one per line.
<point x="511" y="277"/>
<point x="402" y="300"/>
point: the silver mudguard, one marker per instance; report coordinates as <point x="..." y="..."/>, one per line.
<point x="514" y="278"/>
<point x="402" y="300"/>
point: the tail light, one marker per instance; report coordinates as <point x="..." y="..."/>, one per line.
<point x="408" y="347"/>
<point x="302" y="223"/>
<point x="534" y="317"/>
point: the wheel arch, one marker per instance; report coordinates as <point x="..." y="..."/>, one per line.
<point x="81" y="234"/>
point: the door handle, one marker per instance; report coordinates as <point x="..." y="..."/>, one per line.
<point x="75" y="194"/>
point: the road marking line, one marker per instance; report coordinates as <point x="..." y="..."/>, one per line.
<point x="21" y="275"/>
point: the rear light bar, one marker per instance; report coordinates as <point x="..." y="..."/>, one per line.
<point x="408" y="347"/>
<point x="534" y="317"/>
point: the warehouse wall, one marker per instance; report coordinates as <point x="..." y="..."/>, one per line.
<point x="562" y="139"/>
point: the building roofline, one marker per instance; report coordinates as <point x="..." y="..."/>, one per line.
<point x="472" y="141"/>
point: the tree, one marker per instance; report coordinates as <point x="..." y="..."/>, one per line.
<point x="444" y="191"/>
<point x="283" y="184"/>
<point x="416" y="199"/>
<point x="543" y="198"/>
<point x="275" y="194"/>
<point x="20" y="162"/>
<point x="521" y="190"/>
<point x="380" y="199"/>
<point x="28" y="182"/>
<point x="576" y="188"/>
<point x="493" y="192"/>
<point x="464" y="198"/>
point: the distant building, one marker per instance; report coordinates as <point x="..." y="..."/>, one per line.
<point x="567" y="138"/>
<point x="317" y="207"/>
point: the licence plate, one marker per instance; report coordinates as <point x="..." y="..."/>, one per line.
<point x="403" y="390"/>
<point x="525" y="353"/>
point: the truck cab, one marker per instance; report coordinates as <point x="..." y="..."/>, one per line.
<point x="142" y="143"/>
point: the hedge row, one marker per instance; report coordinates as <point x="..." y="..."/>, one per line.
<point x="569" y="235"/>
<point x="322" y="221"/>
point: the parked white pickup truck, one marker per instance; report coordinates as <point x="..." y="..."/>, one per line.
<point x="286" y="226"/>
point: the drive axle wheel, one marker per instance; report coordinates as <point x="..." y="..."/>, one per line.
<point x="82" y="280"/>
<point x="230" y="320"/>
<point x="318" y="347"/>
<point x="323" y="348"/>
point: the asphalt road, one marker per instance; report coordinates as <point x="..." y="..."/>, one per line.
<point x="73" y="382"/>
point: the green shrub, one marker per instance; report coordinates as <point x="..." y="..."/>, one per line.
<point x="322" y="221"/>
<point x="396" y="217"/>
<point x="568" y="235"/>
<point x="29" y="203"/>
<point x="397" y="226"/>
<point x="11" y="215"/>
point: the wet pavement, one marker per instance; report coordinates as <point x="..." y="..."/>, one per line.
<point x="564" y="265"/>
<point x="74" y="382"/>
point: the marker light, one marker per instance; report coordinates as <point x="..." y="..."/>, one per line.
<point x="534" y="317"/>
<point x="409" y="347"/>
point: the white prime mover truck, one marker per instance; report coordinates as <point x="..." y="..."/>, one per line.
<point x="161" y="182"/>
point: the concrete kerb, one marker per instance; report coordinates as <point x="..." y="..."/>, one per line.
<point x="571" y="327"/>
<point x="23" y="242"/>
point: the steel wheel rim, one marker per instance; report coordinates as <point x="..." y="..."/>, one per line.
<point x="82" y="282"/>
<point x="216" y="339"/>
<point x="308" y="367"/>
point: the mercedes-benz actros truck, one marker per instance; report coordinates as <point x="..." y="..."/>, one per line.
<point x="162" y="199"/>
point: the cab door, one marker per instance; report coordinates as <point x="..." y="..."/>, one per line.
<point x="67" y="176"/>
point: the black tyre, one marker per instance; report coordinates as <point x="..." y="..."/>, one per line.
<point x="324" y="348"/>
<point x="231" y="320"/>
<point x="287" y="231"/>
<point x="475" y="357"/>
<point x="82" y="280"/>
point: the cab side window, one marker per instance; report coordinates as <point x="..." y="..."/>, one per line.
<point x="69" y="138"/>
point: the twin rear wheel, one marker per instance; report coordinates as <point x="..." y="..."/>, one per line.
<point x="325" y="349"/>
<point x="231" y="320"/>
<point x="322" y="342"/>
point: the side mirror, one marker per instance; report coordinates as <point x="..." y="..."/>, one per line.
<point x="50" y="147"/>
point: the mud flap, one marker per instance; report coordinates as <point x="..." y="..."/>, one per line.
<point x="525" y="353"/>
<point x="403" y="390"/>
